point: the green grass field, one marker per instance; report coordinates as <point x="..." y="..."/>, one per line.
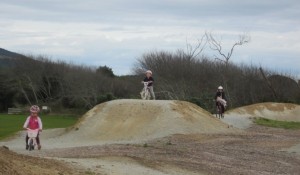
<point x="277" y="124"/>
<point x="10" y="124"/>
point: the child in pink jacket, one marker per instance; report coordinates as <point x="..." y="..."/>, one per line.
<point x="34" y="122"/>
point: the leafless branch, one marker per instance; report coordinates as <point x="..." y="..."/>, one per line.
<point x="193" y="52"/>
<point x="217" y="46"/>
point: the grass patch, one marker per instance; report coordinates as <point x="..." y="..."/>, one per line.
<point x="10" y="124"/>
<point x="277" y="124"/>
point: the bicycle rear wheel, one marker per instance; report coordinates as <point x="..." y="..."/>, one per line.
<point x="220" y="111"/>
<point x="31" y="145"/>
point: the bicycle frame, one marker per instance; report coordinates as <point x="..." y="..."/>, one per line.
<point x="145" y="94"/>
<point x="32" y="135"/>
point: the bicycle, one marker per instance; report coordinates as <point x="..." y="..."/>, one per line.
<point x="145" y="94"/>
<point x="32" y="135"/>
<point x="220" y="110"/>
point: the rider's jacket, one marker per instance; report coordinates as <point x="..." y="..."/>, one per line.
<point x="146" y="79"/>
<point x="33" y="123"/>
<point x="220" y="94"/>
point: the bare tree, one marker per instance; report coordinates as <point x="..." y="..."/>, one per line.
<point x="217" y="46"/>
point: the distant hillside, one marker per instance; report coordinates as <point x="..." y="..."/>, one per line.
<point x="6" y="53"/>
<point x="8" y="58"/>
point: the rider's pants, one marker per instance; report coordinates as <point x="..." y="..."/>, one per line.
<point x="151" y="92"/>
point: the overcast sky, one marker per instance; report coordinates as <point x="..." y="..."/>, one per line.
<point x="117" y="32"/>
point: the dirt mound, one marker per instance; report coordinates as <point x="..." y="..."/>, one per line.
<point x="139" y="120"/>
<point x="241" y="117"/>
<point x="275" y="111"/>
<point x="12" y="163"/>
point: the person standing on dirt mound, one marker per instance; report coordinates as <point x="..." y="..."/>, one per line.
<point x="150" y="81"/>
<point x="220" y="97"/>
<point x="33" y="122"/>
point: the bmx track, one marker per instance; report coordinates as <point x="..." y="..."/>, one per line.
<point x="162" y="137"/>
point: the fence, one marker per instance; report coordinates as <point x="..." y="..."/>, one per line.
<point x="14" y="111"/>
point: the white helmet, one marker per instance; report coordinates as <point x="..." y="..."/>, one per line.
<point x="149" y="71"/>
<point x="220" y="88"/>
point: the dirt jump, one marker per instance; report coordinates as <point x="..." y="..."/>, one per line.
<point x="242" y="117"/>
<point x="139" y="121"/>
<point x="162" y="138"/>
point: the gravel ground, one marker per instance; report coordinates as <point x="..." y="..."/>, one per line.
<point x="258" y="151"/>
<point x="16" y="164"/>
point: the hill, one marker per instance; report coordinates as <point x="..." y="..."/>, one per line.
<point x="8" y="58"/>
<point x="6" y="53"/>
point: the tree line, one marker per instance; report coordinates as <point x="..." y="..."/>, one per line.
<point x="39" y="80"/>
<point x="180" y="75"/>
<point x="190" y="75"/>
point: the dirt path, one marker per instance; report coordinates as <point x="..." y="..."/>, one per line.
<point x="259" y="151"/>
<point x="124" y="166"/>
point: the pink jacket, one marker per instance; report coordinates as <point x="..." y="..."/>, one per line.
<point x="33" y="123"/>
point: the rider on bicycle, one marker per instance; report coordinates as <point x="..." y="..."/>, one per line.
<point x="33" y="122"/>
<point x="221" y="98"/>
<point x="150" y="81"/>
